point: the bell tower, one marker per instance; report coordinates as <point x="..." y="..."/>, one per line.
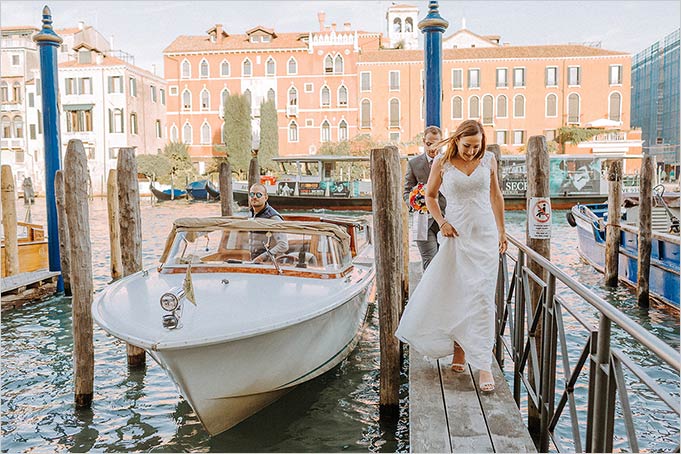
<point x="402" y="26"/>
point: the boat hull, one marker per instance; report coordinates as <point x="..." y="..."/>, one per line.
<point x="309" y="202"/>
<point x="664" y="263"/>
<point x="229" y="381"/>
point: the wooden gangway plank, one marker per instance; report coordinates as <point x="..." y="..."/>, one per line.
<point x="22" y="288"/>
<point x="448" y="412"/>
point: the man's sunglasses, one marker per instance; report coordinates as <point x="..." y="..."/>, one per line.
<point x="257" y="195"/>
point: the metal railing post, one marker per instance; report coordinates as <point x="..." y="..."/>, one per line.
<point x="548" y="365"/>
<point x="519" y="327"/>
<point x="599" y="421"/>
<point x="500" y="303"/>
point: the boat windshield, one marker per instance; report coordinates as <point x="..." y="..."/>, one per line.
<point x="281" y="250"/>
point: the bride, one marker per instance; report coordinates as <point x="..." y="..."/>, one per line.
<point x="452" y="308"/>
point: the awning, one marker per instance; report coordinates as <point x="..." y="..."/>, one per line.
<point x="72" y="107"/>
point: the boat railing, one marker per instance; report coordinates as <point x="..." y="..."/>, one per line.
<point x="536" y="314"/>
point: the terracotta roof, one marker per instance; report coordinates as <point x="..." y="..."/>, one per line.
<point x="12" y="28"/>
<point x="70" y="30"/>
<point x="553" y="51"/>
<point x="234" y="42"/>
<point x="106" y="61"/>
<point x="269" y="31"/>
<point x="403" y="5"/>
<point x="465" y="30"/>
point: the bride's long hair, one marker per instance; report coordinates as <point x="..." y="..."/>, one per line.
<point x="465" y="129"/>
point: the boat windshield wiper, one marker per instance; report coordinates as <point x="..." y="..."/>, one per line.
<point x="270" y="254"/>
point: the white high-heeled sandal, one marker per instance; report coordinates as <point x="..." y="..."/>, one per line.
<point x="487" y="386"/>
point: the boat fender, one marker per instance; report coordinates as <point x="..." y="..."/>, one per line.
<point x="571" y="219"/>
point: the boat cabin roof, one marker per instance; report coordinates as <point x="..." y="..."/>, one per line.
<point x="320" y="158"/>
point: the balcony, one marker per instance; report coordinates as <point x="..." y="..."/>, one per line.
<point x="292" y="110"/>
<point x="11" y="106"/>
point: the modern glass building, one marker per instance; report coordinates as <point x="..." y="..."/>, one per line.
<point x="655" y="100"/>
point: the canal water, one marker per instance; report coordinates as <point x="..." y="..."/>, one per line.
<point x="142" y="410"/>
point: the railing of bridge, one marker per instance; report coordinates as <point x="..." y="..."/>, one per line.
<point x="533" y="325"/>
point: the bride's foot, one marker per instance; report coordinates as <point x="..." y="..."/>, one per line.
<point x="486" y="381"/>
<point x="459" y="359"/>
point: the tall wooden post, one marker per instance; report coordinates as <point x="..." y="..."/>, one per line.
<point x="114" y="226"/>
<point x="130" y="221"/>
<point x="405" y="241"/>
<point x="77" y="215"/>
<point x="9" y="222"/>
<point x="537" y="186"/>
<point x="612" y="230"/>
<point x="645" y="231"/>
<point x="226" y="198"/>
<point x="386" y="199"/>
<point x="64" y="239"/>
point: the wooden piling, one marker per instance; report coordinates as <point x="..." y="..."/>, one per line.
<point x="226" y="198"/>
<point x="645" y="231"/>
<point x="130" y="221"/>
<point x="77" y="215"/>
<point x="63" y="225"/>
<point x="114" y="226"/>
<point x="405" y="241"/>
<point x="612" y="231"/>
<point x="253" y="171"/>
<point x="537" y="186"/>
<point x="9" y="221"/>
<point x="386" y="191"/>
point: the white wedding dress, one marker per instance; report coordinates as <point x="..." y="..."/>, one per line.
<point x="454" y="301"/>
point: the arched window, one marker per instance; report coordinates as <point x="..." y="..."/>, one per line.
<point x="186" y="100"/>
<point x="342" y="96"/>
<point x="173" y="133"/>
<point x="457" y="108"/>
<point x="247" y="68"/>
<point x="271" y="96"/>
<point x="16" y="92"/>
<point x="397" y="25"/>
<point x="573" y="108"/>
<point x="186" y="69"/>
<point x="365" y="114"/>
<point x="292" y="67"/>
<point x="4" y="91"/>
<point x="223" y="97"/>
<point x="118" y="120"/>
<point x="270" y="67"/>
<point x="326" y="132"/>
<point x="408" y="25"/>
<point x="133" y="123"/>
<point x="502" y="106"/>
<point x="615" y="107"/>
<point x="292" y="96"/>
<point x="187" y="133"/>
<point x="17" y="127"/>
<point x="224" y="68"/>
<point x="328" y="64"/>
<point x="6" y="127"/>
<point x="338" y="64"/>
<point x="551" y="105"/>
<point x="293" y="132"/>
<point x="326" y="96"/>
<point x="394" y="113"/>
<point x="203" y="68"/>
<point x="519" y="106"/>
<point x="342" y="131"/>
<point x="473" y="107"/>
<point x="205" y="133"/>
<point x="205" y="99"/>
<point x="487" y="110"/>
<point x="249" y="98"/>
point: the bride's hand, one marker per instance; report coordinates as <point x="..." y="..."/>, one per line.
<point x="503" y="243"/>
<point x="448" y="229"/>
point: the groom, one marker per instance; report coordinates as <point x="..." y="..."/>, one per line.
<point x="418" y="170"/>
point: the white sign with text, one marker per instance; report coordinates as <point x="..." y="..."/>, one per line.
<point x="539" y="218"/>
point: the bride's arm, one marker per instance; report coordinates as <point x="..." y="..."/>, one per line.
<point x="497" y="201"/>
<point x="432" y="192"/>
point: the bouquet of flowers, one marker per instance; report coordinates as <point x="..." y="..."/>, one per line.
<point x="417" y="199"/>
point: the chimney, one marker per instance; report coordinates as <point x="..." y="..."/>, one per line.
<point x="463" y="23"/>
<point x="99" y="58"/>
<point x="218" y="33"/>
<point x="153" y="68"/>
<point x="333" y="26"/>
<point x="81" y="25"/>
<point x="346" y="26"/>
<point x="111" y="42"/>
<point x="321" y="16"/>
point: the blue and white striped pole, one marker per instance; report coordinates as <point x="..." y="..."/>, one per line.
<point x="433" y="26"/>
<point x="48" y="41"/>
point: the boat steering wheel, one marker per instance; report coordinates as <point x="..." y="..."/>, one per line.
<point x="291" y="259"/>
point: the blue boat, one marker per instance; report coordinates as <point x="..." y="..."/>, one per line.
<point x="165" y="195"/>
<point x="197" y="190"/>
<point x="591" y="220"/>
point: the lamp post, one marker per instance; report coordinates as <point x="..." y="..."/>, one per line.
<point x="433" y="26"/>
<point x="48" y="41"/>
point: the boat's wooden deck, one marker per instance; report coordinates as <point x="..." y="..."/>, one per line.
<point x="21" y="288"/>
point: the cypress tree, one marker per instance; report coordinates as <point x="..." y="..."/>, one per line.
<point x="237" y="131"/>
<point x="269" y="135"/>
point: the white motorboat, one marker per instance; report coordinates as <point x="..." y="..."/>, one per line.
<point x="275" y="304"/>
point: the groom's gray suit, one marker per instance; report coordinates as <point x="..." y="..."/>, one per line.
<point x="418" y="170"/>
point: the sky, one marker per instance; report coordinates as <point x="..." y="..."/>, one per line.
<point x="145" y="28"/>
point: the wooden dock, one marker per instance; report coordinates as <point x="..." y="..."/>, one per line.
<point x="23" y="288"/>
<point x="447" y="411"/>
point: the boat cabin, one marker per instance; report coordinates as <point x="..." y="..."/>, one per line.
<point x="323" y="175"/>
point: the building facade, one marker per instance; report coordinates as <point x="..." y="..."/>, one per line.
<point x="334" y="85"/>
<point x="655" y="99"/>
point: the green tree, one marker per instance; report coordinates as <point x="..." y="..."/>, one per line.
<point x="574" y="135"/>
<point x="156" y="167"/>
<point x="269" y="135"/>
<point x="237" y="131"/>
<point x="180" y="162"/>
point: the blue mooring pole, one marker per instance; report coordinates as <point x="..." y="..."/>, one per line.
<point x="48" y="41"/>
<point x="433" y="26"/>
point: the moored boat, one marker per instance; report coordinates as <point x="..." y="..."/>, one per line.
<point x="197" y="190"/>
<point x="33" y="248"/>
<point x="591" y="223"/>
<point x="166" y="194"/>
<point x="257" y="329"/>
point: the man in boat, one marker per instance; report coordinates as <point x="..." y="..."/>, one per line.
<point x="418" y="170"/>
<point x="257" y="201"/>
